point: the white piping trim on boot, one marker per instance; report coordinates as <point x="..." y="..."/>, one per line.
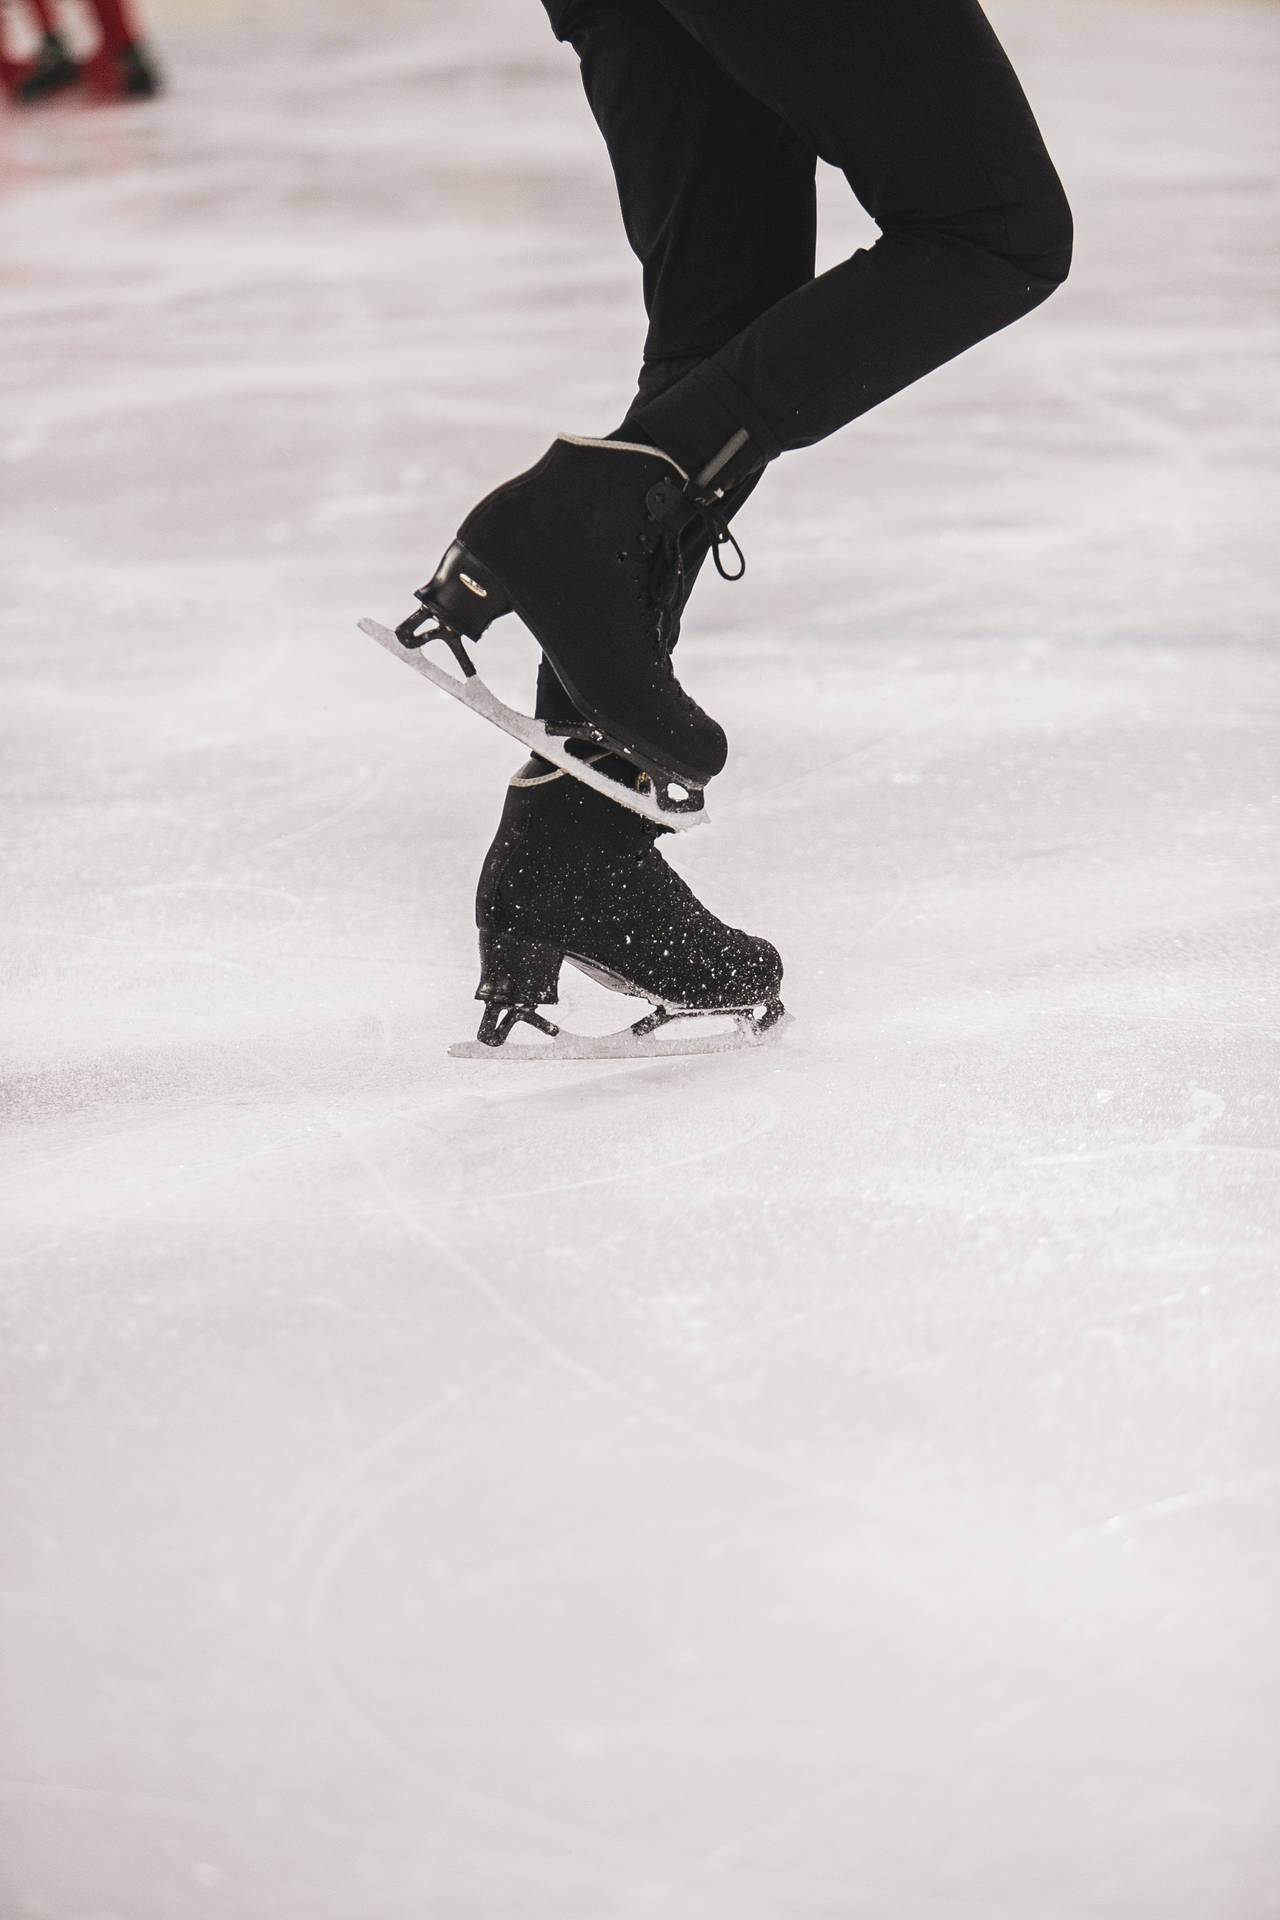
<point x="624" y="446"/>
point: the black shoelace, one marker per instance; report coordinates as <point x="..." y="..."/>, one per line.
<point x="675" y="510"/>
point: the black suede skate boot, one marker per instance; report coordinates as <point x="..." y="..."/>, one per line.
<point x="697" y="540"/>
<point x="571" y="875"/>
<point x="586" y="547"/>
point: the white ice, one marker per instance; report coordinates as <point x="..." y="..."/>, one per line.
<point x="833" y="1482"/>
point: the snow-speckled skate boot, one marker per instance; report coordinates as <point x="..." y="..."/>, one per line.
<point x="571" y="876"/>
<point x="586" y="548"/>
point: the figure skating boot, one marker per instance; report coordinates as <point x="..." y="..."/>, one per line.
<point x="123" y="73"/>
<point x="122" y="68"/>
<point x="586" y="548"/>
<point x="571" y="876"/>
<point x="51" y="70"/>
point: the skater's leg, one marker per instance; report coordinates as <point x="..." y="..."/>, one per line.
<point x="122" y="68"/>
<point x="50" y="69"/>
<point x="716" y="191"/>
<point x="116" y="28"/>
<point x="717" y="199"/>
<point x="916" y="102"/>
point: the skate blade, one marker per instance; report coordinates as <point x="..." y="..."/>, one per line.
<point x="531" y="733"/>
<point x="661" y="1044"/>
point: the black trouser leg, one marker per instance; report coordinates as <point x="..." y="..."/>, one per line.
<point x="713" y="112"/>
<point x="717" y="199"/>
<point x="915" y="101"/>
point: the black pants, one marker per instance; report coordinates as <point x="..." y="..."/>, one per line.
<point x="715" y="112"/>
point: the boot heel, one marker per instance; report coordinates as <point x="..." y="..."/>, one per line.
<point x="516" y="977"/>
<point x="464" y="595"/>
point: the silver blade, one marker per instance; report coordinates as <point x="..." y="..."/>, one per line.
<point x="531" y="733"/>
<point x="662" y="1044"/>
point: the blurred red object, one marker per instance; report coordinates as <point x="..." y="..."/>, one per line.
<point x="120" y="67"/>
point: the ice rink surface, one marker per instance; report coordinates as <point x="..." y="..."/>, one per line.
<point x="838" y="1482"/>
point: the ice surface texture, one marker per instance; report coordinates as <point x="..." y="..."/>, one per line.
<point x="835" y="1481"/>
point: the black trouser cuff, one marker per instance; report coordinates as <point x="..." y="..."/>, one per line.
<point x="706" y="422"/>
